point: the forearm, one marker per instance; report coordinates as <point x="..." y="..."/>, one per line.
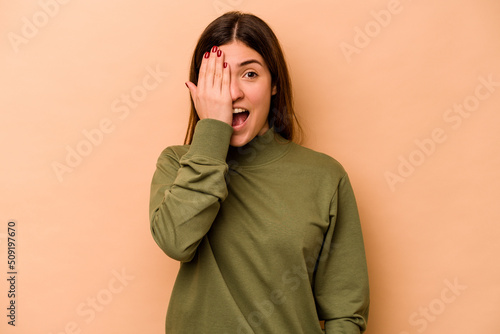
<point x="185" y="199"/>
<point x="342" y="287"/>
<point x="345" y="326"/>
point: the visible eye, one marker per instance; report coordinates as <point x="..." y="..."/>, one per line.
<point x="251" y="75"/>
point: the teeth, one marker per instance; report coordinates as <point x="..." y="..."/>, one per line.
<point x="238" y="110"/>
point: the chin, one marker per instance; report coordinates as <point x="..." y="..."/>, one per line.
<point x="239" y="141"/>
<point x="245" y="134"/>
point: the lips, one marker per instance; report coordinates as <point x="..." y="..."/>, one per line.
<point x="240" y="115"/>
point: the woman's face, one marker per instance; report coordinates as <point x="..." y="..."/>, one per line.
<point x="250" y="91"/>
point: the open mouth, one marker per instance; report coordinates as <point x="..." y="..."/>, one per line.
<point x="239" y="116"/>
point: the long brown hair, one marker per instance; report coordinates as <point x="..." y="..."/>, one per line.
<point x="256" y="34"/>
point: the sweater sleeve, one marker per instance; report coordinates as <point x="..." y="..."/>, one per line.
<point x="341" y="283"/>
<point x="186" y="191"/>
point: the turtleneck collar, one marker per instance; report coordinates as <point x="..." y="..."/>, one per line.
<point x="261" y="150"/>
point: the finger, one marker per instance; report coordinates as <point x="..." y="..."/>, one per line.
<point x="226" y="79"/>
<point x="203" y="70"/>
<point x="192" y="88"/>
<point x="209" y="75"/>
<point x="218" y="70"/>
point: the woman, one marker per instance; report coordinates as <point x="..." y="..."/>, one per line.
<point x="267" y="231"/>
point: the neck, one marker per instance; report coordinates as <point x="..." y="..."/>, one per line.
<point x="260" y="150"/>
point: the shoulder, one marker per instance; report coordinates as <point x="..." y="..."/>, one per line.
<point x="175" y="150"/>
<point x="172" y="154"/>
<point x="322" y="162"/>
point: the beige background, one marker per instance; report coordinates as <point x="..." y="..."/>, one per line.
<point x="379" y="85"/>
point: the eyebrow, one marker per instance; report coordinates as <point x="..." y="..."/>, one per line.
<point x="250" y="61"/>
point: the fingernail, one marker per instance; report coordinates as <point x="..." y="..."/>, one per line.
<point x="207" y="54"/>
<point x="186" y="85"/>
<point x="219" y="53"/>
<point x="225" y="64"/>
<point x="214" y="49"/>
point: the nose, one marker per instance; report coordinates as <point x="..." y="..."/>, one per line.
<point x="236" y="90"/>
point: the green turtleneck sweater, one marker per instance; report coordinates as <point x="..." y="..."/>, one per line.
<point x="268" y="236"/>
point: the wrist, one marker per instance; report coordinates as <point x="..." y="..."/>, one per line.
<point x="211" y="138"/>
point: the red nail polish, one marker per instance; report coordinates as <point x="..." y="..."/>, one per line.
<point x="214" y="49"/>
<point x="225" y="64"/>
<point x="219" y="53"/>
<point x="207" y="54"/>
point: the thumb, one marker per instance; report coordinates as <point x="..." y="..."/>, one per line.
<point x="192" y="87"/>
